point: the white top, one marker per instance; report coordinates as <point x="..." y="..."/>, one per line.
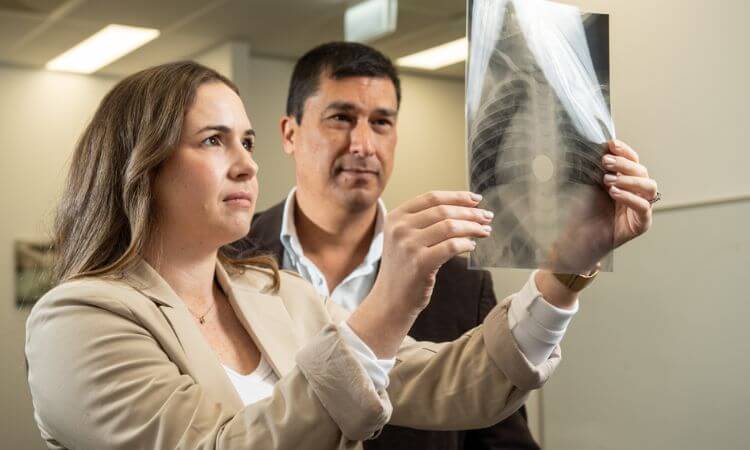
<point x="259" y="383"/>
<point x="256" y="385"/>
<point x="536" y="325"/>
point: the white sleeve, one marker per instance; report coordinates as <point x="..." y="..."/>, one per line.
<point x="377" y="368"/>
<point x="536" y="325"/>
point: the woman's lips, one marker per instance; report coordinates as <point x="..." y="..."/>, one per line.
<point x="239" y="202"/>
<point x="239" y="199"/>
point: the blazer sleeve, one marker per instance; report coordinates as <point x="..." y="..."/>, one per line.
<point x="513" y="432"/>
<point x="99" y="380"/>
<point x="473" y="382"/>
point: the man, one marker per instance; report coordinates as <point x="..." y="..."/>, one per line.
<point x="340" y="128"/>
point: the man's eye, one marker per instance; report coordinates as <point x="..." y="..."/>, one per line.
<point x="249" y="144"/>
<point x="382" y="122"/>
<point x="342" y="118"/>
<point x="211" y="141"/>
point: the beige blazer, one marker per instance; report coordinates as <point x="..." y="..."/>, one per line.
<point x="122" y="365"/>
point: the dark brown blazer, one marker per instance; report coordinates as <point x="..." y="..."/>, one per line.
<point x="460" y="301"/>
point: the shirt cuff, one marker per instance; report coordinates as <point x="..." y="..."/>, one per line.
<point x="536" y="325"/>
<point x="376" y="368"/>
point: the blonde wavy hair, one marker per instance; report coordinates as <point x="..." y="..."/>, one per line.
<point x="106" y="215"/>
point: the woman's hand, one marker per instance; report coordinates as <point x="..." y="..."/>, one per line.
<point x="419" y="236"/>
<point x="632" y="189"/>
<point x="602" y="219"/>
<point x="589" y="240"/>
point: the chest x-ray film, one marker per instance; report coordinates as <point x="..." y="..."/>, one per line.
<point x="538" y="120"/>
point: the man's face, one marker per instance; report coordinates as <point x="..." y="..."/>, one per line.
<point x="344" y="147"/>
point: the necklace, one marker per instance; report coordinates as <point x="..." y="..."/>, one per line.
<point x="202" y="318"/>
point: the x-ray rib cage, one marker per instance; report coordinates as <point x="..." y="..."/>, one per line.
<point x="537" y="121"/>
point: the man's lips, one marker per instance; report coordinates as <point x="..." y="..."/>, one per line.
<point x="361" y="171"/>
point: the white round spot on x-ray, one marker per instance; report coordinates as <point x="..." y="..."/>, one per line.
<point x="543" y="168"/>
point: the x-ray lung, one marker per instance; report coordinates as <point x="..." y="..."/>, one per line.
<point x="538" y="121"/>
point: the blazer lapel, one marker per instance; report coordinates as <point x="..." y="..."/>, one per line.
<point x="204" y="365"/>
<point x="266" y="319"/>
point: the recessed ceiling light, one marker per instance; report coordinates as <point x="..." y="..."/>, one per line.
<point x="370" y="20"/>
<point x="437" y="57"/>
<point x="107" y="45"/>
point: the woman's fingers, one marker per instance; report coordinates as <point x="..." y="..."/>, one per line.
<point x="640" y="205"/>
<point x="623" y="165"/>
<point x="620" y="148"/>
<point x="644" y="187"/>
<point x="436" y="198"/>
<point x="448" y="229"/>
<point x="435" y="214"/>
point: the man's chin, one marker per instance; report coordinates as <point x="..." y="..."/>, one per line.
<point x="358" y="199"/>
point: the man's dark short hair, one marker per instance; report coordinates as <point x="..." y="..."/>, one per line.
<point x="337" y="60"/>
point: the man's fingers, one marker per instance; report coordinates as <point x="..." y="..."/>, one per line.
<point x="439" y="254"/>
<point x="645" y="187"/>
<point x="435" y="198"/>
<point x="449" y="229"/>
<point x="620" y="164"/>
<point x="435" y="214"/>
<point x="620" y="148"/>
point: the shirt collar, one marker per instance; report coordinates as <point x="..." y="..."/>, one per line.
<point x="290" y="239"/>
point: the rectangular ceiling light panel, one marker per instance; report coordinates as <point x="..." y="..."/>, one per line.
<point x="437" y="57"/>
<point x="109" y="44"/>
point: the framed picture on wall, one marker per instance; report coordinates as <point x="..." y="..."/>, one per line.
<point x="33" y="267"/>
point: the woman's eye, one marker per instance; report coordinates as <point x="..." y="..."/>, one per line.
<point x="249" y="144"/>
<point x="211" y="141"/>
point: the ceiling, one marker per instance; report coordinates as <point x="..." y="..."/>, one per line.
<point x="34" y="31"/>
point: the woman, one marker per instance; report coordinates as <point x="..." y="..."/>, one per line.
<point x="136" y="347"/>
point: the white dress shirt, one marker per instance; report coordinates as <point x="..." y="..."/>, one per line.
<point x="355" y="287"/>
<point x="536" y="325"/>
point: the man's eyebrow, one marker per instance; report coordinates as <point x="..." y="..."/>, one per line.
<point x="388" y="112"/>
<point x="341" y="106"/>
<point x="348" y="106"/>
<point x="225" y="130"/>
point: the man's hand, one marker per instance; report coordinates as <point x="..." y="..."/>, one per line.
<point x="419" y="236"/>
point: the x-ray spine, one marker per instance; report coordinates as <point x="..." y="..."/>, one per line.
<point x="537" y="120"/>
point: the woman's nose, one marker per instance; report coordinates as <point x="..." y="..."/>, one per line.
<point x="244" y="166"/>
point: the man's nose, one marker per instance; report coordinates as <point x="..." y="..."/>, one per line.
<point x="361" y="142"/>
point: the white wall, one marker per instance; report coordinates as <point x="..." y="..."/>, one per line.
<point x="41" y="116"/>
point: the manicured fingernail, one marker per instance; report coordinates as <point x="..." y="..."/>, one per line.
<point x="614" y="190"/>
<point x="488" y="214"/>
<point x="609" y="160"/>
<point x="487" y="228"/>
<point x="476" y="197"/>
<point x="610" y="179"/>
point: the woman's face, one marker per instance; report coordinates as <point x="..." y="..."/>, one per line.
<point x="206" y="191"/>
